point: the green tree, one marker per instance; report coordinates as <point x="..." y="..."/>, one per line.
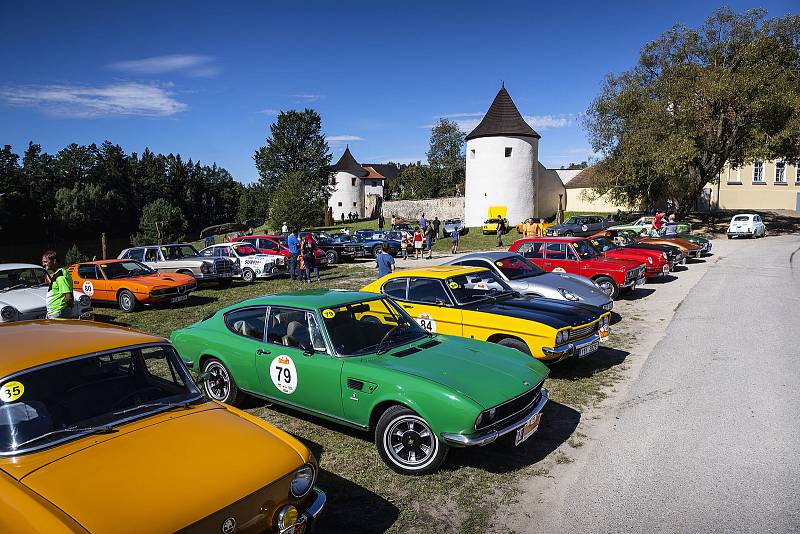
<point x="446" y="157"/>
<point x="417" y="181"/>
<point x="727" y="91"/>
<point x="161" y="222"/>
<point x="252" y="202"/>
<point x="297" y="202"/>
<point x="296" y="143"/>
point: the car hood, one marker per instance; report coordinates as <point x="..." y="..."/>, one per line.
<point x="25" y="300"/>
<point x="639" y="255"/>
<point x="551" y="312"/>
<point x="615" y="264"/>
<point x="159" y="279"/>
<point x="172" y="472"/>
<point x="485" y="372"/>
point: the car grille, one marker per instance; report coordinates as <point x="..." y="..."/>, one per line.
<point x="222" y="266"/>
<point x="582" y="332"/>
<point x="635" y="274"/>
<point x="509" y="409"/>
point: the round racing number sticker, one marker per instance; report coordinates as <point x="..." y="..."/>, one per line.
<point x="559" y="270"/>
<point x="328" y="314"/>
<point x="11" y="391"/>
<point x="584" y="228"/>
<point x="453" y="285"/>
<point x="88" y="288"/>
<point x="283" y="374"/>
<point x="426" y="322"/>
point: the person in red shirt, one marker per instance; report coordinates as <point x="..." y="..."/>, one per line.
<point x="417" y="243"/>
<point x="658" y="222"/>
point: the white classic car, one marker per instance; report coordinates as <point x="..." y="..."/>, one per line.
<point x="23" y="294"/>
<point x="746" y="225"/>
<point x="251" y="263"/>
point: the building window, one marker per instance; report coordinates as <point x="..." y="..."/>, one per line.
<point x="508" y="151"/>
<point x="472" y="153"/>
<point x="734" y="177"/>
<point x="340" y="204"/>
<point x="780" y="172"/>
<point x="797" y="174"/>
<point x="374" y="183"/>
<point x="353" y="182"/>
<point x="758" y="172"/>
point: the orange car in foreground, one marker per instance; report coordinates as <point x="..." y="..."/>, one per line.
<point x="128" y="283"/>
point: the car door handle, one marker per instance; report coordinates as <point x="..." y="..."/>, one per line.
<point x="262" y="352"/>
<point x="406" y="306"/>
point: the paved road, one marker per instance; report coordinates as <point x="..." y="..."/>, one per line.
<point x="708" y="438"/>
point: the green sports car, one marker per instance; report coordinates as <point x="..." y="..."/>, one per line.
<point x="358" y="359"/>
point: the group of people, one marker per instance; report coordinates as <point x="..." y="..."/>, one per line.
<point x="664" y="225"/>
<point x="350" y="216"/>
<point x="302" y="257"/>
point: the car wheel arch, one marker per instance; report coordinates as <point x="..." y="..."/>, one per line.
<point x="499" y="336"/>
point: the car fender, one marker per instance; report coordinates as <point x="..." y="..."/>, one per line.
<point x="23" y="510"/>
<point x="302" y="450"/>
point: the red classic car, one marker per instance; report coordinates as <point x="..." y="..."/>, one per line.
<point x="577" y="256"/>
<point x="655" y="262"/>
<point x="276" y="244"/>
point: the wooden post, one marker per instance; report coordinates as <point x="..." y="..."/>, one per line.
<point x="103" y="245"/>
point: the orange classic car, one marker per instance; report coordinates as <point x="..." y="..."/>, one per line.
<point x="102" y="429"/>
<point x="129" y="283"/>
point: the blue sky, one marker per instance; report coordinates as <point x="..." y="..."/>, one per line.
<point x="206" y="79"/>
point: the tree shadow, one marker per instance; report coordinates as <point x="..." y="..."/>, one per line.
<point x="577" y="368"/>
<point x="661" y="279"/>
<point x="103" y="318"/>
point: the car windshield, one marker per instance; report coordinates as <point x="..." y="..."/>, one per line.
<point x="372" y="326"/>
<point x="11" y="279"/>
<point x="516" y="267"/>
<point x="585" y="249"/>
<point x="472" y="287"/>
<point x="245" y="250"/>
<point x="176" y="252"/>
<point x="603" y="244"/>
<point x="72" y="398"/>
<point x="124" y="269"/>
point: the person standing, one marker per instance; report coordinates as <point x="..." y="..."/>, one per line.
<point x="541" y="229"/>
<point x="658" y="222"/>
<point x="394" y="220"/>
<point x="417" y="242"/>
<point x="384" y="262"/>
<point x="436" y="224"/>
<point x="59" y="292"/>
<point x="293" y="242"/>
<point x="303" y="272"/>
<point x="309" y="247"/>
<point x="342" y="216"/>
<point x="671" y="227"/>
<point x="381" y="222"/>
<point x="285" y="228"/>
<point x="501" y="228"/>
<point x="422" y="222"/>
<point x="430" y="239"/>
<point x="404" y="244"/>
<point x="455" y="236"/>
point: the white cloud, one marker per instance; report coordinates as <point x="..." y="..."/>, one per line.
<point x="269" y="111"/>
<point x="306" y="97"/>
<point x="468" y="121"/>
<point x="190" y="64"/>
<point x="119" y="99"/>
<point x="343" y="138"/>
<point x="456" y="115"/>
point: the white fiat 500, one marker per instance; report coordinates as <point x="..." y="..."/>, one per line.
<point x="746" y="225"/>
<point x="252" y="265"/>
<point x="23" y="294"/>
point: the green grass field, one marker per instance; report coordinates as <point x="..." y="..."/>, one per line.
<point x="363" y="493"/>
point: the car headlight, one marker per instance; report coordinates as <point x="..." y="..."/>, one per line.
<point x="568" y="294"/>
<point x="286" y="517"/>
<point x="204" y="268"/>
<point x="84" y="300"/>
<point x="303" y="481"/>
<point x="664" y="255"/>
<point x="649" y="260"/>
<point x="8" y="313"/>
<point x="562" y="336"/>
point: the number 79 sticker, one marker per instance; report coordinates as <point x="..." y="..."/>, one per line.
<point x="283" y="374"/>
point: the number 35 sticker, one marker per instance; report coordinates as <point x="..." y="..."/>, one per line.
<point x="283" y="374"/>
<point x="11" y="391"/>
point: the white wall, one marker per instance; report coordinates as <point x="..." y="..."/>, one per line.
<point x="549" y="184"/>
<point x="495" y="180"/>
<point x="351" y="197"/>
<point x="373" y="190"/>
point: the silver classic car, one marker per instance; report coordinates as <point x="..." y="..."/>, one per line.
<point x="23" y="294"/>
<point x="529" y="279"/>
<point x="185" y="259"/>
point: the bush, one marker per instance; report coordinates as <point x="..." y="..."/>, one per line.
<point x="161" y="222"/>
<point x="74" y="255"/>
<point x="297" y="202"/>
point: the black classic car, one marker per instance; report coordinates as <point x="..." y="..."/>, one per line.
<point x="337" y="250"/>
<point x="372" y="246"/>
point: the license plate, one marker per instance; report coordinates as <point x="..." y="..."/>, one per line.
<point x="604" y="333"/>
<point x="588" y="349"/>
<point x="88" y="316"/>
<point x="641" y="281"/>
<point x="530" y="427"/>
<point x="665" y="269"/>
<point x="179" y="299"/>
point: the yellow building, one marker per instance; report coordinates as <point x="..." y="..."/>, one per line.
<point x="759" y="185"/>
<point x="581" y="198"/>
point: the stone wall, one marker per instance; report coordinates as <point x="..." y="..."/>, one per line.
<point x="444" y="208"/>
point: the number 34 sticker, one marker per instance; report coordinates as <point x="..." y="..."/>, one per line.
<point x="283" y="374"/>
<point x="11" y="391"/>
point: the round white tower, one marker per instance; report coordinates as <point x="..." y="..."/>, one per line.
<point x="502" y="162"/>
<point x="347" y="187"/>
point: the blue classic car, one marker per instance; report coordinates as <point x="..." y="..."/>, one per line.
<point x="371" y="246"/>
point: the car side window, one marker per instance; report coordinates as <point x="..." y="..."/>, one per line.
<point x="207" y="252"/>
<point x="88" y="272"/>
<point x="556" y="251"/>
<point x="267" y="244"/>
<point x="248" y="322"/>
<point x="289" y="327"/>
<point x="151" y="255"/>
<point x="135" y="254"/>
<point x="396" y="288"/>
<point x="317" y="339"/>
<point x="427" y="290"/>
<point x="531" y="250"/>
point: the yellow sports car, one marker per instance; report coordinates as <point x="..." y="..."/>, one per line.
<point x="475" y="303"/>
<point x="103" y="430"/>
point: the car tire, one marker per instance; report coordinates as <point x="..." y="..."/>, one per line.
<point x="568" y="233"/>
<point x="220" y="386"/>
<point x="401" y="426"/>
<point x="275" y="270"/>
<point x="608" y="286"/>
<point x="377" y="250"/>
<point x="333" y="257"/>
<point x="248" y="275"/>
<point x="515" y="344"/>
<point x="127" y="301"/>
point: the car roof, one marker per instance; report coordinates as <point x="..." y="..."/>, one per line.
<point x="9" y="266"/>
<point x="36" y="343"/>
<point x="98" y="262"/>
<point x="744" y="215"/>
<point x="438" y="271"/>
<point x="309" y="299"/>
<point x="553" y="239"/>
<point x="491" y="255"/>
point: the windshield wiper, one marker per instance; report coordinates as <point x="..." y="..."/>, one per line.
<point x="102" y="429"/>
<point x="18" y="286"/>
<point x="169" y="405"/>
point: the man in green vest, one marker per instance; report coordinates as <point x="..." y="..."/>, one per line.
<point x="59" y="292"/>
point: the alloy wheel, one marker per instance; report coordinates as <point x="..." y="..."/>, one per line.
<point x="410" y="442"/>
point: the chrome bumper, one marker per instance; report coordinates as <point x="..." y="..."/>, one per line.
<point x="311" y="513"/>
<point x="563" y="352"/>
<point x="485" y="438"/>
<point x="638" y="282"/>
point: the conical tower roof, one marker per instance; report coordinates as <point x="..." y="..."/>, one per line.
<point x="347" y="163"/>
<point x="503" y="118"/>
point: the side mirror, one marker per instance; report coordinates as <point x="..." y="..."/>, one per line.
<point x="440" y="302"/>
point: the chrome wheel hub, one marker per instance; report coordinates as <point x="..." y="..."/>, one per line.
<point x="410" y="442"/>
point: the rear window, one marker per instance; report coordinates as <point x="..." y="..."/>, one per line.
<point x="741" y="218"/>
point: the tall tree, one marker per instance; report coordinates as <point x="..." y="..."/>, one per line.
<point x="295" y="203"/>
<point x="446" y="156"/>
<point x="728" y="91"/>
<point x="296" y="143"/>
<point x="161" y="222"/>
